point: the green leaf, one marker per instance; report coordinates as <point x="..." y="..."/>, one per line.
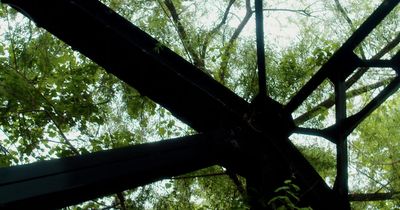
<point x="168" y="185"/>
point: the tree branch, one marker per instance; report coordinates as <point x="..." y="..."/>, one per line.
<point x="344" y="14"/>
<point x="72" y="147"/>
<point x="237" y="182"/>
<point x="15" y="68"/>
<point x="214" y="31"/>
<point x="348" y="20"/>
<point x="304" y="12"/>
<point x="371" y="178"/>
<point x="183" y="34"/>
<point x="229" y="47"/>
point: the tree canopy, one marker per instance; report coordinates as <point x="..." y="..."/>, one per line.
<point x="54" y="102"/>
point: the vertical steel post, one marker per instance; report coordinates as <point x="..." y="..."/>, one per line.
<point x="341" y="182"/>
<point x="262" y="78"/>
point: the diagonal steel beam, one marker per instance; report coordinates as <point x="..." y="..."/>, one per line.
<point x="343" y="61"/>
<point x="136" y="58"/>
<point x="337" y="69"/>
<point x="351" y="123"/>
<point x="58" y="183"/>
<point x="267" y="163"/>
<point x="89" y="27"/>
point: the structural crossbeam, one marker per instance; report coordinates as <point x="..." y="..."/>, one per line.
<point x="344" y="61"/>
<point x="135" y="57"/>
<point x="67" y="181"/>
<point x="264" y="156"/>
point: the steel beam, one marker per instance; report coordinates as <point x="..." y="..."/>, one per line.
<point x="268" y="163"/>
<point x="353" y="121"/>
<point x="124" y="50"/>
<point x="342" y="163"/>
<point x="343" y="61"/>
<point x="262" y="78"/>
<point x="59" y="183"/>
<point x="192" y="96"/>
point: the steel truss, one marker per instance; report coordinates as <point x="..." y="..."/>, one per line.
<point x="249" y="139"/>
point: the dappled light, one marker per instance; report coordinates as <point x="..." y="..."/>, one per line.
<point x="170" y="104"/>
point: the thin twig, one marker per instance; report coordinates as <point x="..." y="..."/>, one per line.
<point x="182" y="32"/>
<point x="214" y="31"/>
<point x="350" y="22"/>
<point x="72" y="147"/>
<point x="304" y="12"/>
<point x="369" y="177"/>
<point x="237" y="182"/>
<point x="229" y="47"/>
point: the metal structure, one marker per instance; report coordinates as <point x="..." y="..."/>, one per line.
<point x="248" y="139"/>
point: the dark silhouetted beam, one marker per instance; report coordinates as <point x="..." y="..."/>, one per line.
<point x="314" y="132"/>
<point x="124" y="50"/>
<point x="342" y="161"/>
<point x="58" y="183"/>
<point x="262" y="78"/>
<point x="352" y="122"/>
<point x="377" y="63"/>
<point x="273" y="162"/>
<point x="367" y="197"/>
<point x="344" y="60"/>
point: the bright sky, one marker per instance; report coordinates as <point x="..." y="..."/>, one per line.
<point x="277" y="25"/>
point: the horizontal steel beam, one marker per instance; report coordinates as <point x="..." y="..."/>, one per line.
<point x="67" y="181"/>
<point x="124" y="50"/>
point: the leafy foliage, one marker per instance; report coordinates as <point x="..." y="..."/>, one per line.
<point x="55" y="103"/>
<point x="286" y="197"/>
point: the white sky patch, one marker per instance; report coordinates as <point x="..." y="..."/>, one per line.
<point x="278" y="28"/>
<point x="2" y="136"/>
